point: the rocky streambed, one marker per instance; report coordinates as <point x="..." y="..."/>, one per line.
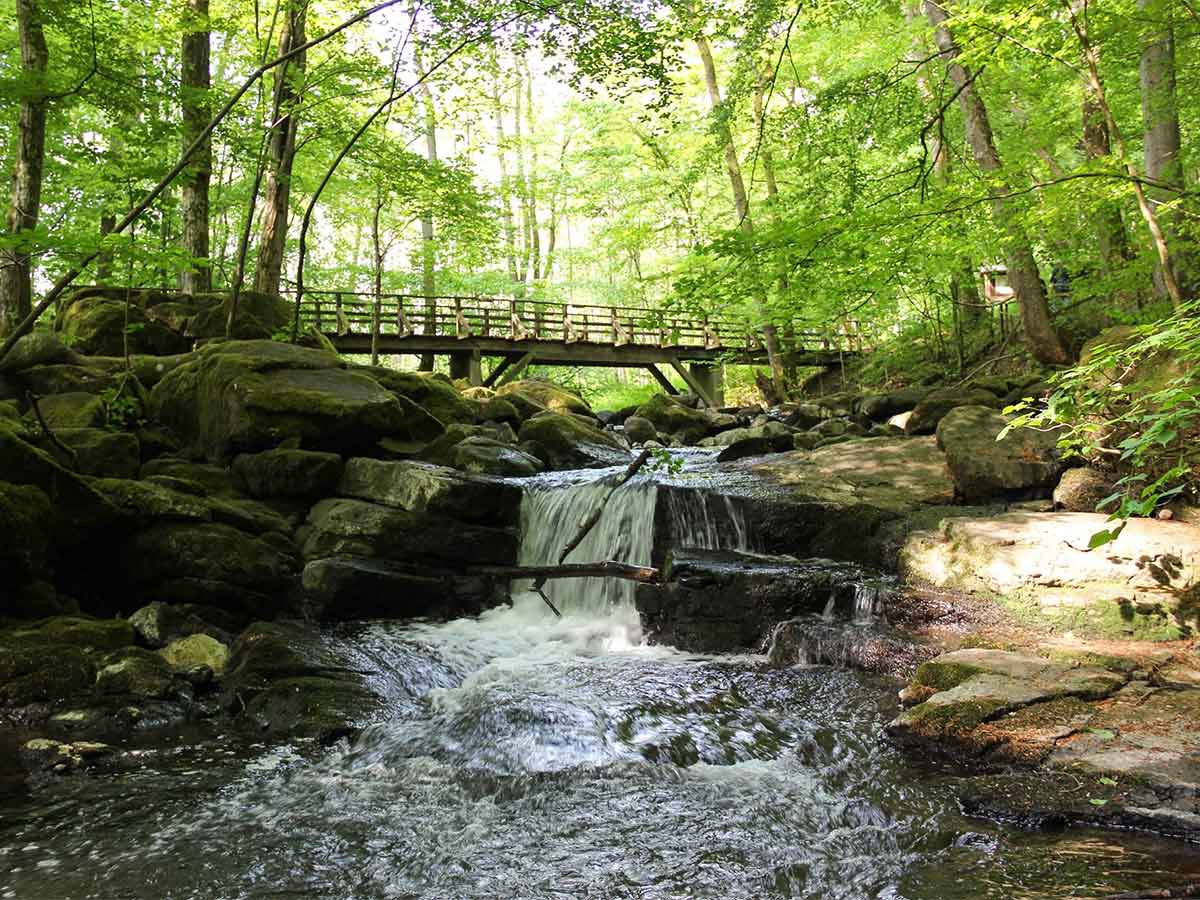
<point x="180" y="583"/>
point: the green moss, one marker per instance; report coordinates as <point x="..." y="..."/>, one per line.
<point x="77" y="631"/>
<point x="951" y="718"/>
<point x="942" y="676"/>
<point x="1099" y="619"/>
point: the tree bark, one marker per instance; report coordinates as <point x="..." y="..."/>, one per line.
<point x="428" y="249"/>
<point x="1161" y="140"/>
<point x="1023" y="274"/>
<point x="281" y="152"/>
<point x="16" y="268"/>
<point x="510" y="236"/>
<point x="741" y="203"/>
<point x="195" y="83"/>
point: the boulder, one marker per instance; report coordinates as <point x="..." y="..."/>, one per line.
<point x="34" y="671"/>
<point x="716" y="601"/>
<point x="1039" y="565"/>
<point x="881" y="407"/>
<point x="72" y="410"/>
<point x="434" y="490"/>
<point x="566" y="441"/>
<point x="208" y="479"/>
<point x="926" y="415"/>
<point x="498" y="409"/>
<point x="484" y="456"/>
<point x="288" y="473"/>
<point x="158" y="624"/>
<point x="76" y="631"/>
<point x="39" y="348"/>
<point x="100" y="325"/>
<point x="670" y="417"/>
<point x="756" y="446"/>
<point x="63" y="378"/>
<point x="545" y="395"/>
<point x="110" y="454"/>
<point x="25" y="516"/>
<point x="440" y="399"/>
<point x="136" y="671"/>
<point x="984" y="467"/>
<point x="148" y="370"/>
<point x="146" y="500"/>
<point x="640" y="430"/>
<point x="210" y="563"/>
<point x="196" y="650"/>
<point x="765" y="431"/>
<point x="341" y="527"/>
<point x="1080" y="490"/>
<point x="346" y="588"/>
<point x="245" y="396"/>
<point x="285" y="680"/>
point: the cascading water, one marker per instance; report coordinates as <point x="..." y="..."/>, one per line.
<point x="522" y="755"/>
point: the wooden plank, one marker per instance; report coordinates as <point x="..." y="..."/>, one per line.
<point x="498" y="371"/>
<point x="690" y="380"/>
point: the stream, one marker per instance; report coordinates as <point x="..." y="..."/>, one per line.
<point x="528" y="756"/>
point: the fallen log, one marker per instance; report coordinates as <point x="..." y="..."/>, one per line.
<point x="606" y="569"/>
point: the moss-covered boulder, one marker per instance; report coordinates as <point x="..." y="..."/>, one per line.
<point x="72" y="410"/>
<point x="37" y="672"/>
<point x="341" y="527"/>
<point x="25" y="517"/>
<point x="670" y="417"/>
<point x="984" y="467"/>
<point x="38" y="348"/>
<point x="63" y="378"/>
<point x="481" y="455"/>
<point x="436" y="490"/>
<point x="934" y="406"/>
<point x="499" y="409"/>
<point x="285" y="679"/>
<point x="210" y="563"/>
<point x="439" y="398"/>
<point x="544" y="395"/>
<point x="101" y="325"/>
<point x="246" y="396"/>
<point x="196" y="650"/>
<point x="135" y="671"/>
<point x="288" y="473"/>
<point x="158" y="624"/>
<point x="567" y="441"/>
<point x="111" y="454"/>
<point x="76" y="631"/>
<point x="209" y="479"/>
<point x="881" y="407"/>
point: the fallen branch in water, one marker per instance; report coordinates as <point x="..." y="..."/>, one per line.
<point x="606" y="569"/>
<point x="594" y="516"/>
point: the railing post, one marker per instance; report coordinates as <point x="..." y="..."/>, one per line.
<point x="343" y="327"/>
<point x="317" y="304"/>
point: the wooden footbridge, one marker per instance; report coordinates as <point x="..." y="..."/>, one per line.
<point x="525" y="331"/>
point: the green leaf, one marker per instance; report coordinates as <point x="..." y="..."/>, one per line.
<point x="1096" y="801"/>
<point x="1109" y="781"/>
<point x="1103" y="733"/>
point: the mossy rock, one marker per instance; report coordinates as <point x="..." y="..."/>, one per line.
<point x="499" y="409"/>
<point x="321" y="707"/>
<point x="101" y="326"/>
<point x="986" y="466"/>
<point x="566" y="441"/>
<point x="110" y="454"/>
<point x="135" y="671"/>
<point x="25" y="516"/>
<point x="546" y="395"/>
<point x="484" y="456"/>
<point x="38" y="348"/>
<point x="670" y="417"/>
<point x="72" y="410"/>
<point x="933" y="408"/>
<point x="196" y="650"/>
<point x="246" y="396"/>
<point x="77" y="631"/>
<point x="33" y="671"/>
<point x="63" y="378"/>
<point x="259" y="316"/>
<point x="214" y="480"/>
<point x="438" y="398"/>
<point x="288" y="473"/>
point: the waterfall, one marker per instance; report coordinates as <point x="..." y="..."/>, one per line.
<point x="551" y="513"/>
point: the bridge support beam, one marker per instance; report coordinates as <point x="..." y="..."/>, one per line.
<point x="467" y="364"/>
<point x="509" y="370"/>
<point x="662" y="379"/>
<point x="693" y="383"/>
<point x="712" y="379"/>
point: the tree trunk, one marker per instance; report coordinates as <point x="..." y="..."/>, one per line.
<point x="510" y="237"/>
<point x="1023" y="274"/>
<point x="195" y="82"/>
<point x="522" y="188"/>
<point x="428" y="257"/>
<point x="280" y="153"/>
<point x="105" y="259"/>
<point x="1161" y="140"/>
<point x="531" y="210"/>
<point x="741" y="203"/>
<point x="16" y="279"/>
<point x="377" y="272"/>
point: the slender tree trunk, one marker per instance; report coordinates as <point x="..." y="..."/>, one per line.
<point x="196" y="113"/>
<point x="1157" y="233"/>
<point x="281" y="151"/>
<point x="377" y="271"/>
<point x="535" y="246"/>
<point x="428" y="248"/>
<point x="522" y="186"/>
<point x="510" y="236"/>
<point x="16" y="268"/>
<point x="1161" y="140"/>
<point x="741" y="203"/>
<point x="1023" y="275"/>
<point x="105" y="259"/>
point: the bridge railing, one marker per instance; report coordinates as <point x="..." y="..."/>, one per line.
<point x="343" y="313"/>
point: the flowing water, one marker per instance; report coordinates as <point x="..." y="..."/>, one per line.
<point x="528" y="756"/>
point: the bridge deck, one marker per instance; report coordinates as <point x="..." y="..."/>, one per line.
<point x="552" y="333"/>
